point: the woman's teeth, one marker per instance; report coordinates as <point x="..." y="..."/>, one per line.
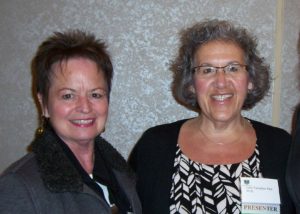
<point x="222" y="97"/>
<point x="82" y="122"/>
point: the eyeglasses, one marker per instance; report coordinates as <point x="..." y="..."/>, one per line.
<point x="232" y="70"/>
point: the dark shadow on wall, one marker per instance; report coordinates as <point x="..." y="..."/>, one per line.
<point x="297" y="108"/>
<point x="298" y="65"/>
<point x="36" y="102"/>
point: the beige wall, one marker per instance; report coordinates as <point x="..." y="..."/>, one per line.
<point x="290" y="61"/>
<point x="142" y="38"/>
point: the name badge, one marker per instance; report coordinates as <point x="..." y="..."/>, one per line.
<point x="260" y="195"/>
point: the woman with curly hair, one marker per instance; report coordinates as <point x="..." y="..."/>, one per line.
<point x="195" y="165"/>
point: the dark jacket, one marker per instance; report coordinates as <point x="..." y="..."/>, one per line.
<point x="45" y="181"/>
<point x="153" y="158"/>
<point x="293" y="169"/>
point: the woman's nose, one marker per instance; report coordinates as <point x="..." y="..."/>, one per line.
<point x="84" y="105"/>
<point x="220" y="78"/>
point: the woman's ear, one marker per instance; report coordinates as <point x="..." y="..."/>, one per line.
<point x="250" y="86"/>
<point x="192" y="89"/>
<point x="43" y="106"/>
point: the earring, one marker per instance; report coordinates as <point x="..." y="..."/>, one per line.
<point x="40" y="130"/>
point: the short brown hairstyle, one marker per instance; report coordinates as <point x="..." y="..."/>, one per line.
<point x="62" y="46"/>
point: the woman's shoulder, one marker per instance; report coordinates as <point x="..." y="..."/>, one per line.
<point x="272" y="138"/>
<point x="267" y="130"/>
<point x="157" y="140"/>
<point x="23" y="166"/>
<point x="160" y="135"/>
<point x="23" y="172"/>
<point x="165" y="128"/>
<point x="20" y="186"/>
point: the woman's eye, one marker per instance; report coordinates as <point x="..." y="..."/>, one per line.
<point x="207" y="70"/>
<point x="98" y="95"/>
<point x="233" y="68"/>
<point x="67" y="96"/>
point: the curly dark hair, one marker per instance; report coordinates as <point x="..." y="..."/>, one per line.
<point x="62" y="46"/>
<point x="211" y="30"/>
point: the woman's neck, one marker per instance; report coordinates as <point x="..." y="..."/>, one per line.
<point x="84" y="154"/>
<point x="216" y="132"/>
<point x="207" y="143"/>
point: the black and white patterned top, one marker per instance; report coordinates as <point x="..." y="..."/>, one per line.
<point x="199" y="188"/>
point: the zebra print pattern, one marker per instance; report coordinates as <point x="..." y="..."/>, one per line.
<point x="199" y="188"/>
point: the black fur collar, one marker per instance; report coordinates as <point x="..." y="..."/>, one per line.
<point x="58" y="172"/>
